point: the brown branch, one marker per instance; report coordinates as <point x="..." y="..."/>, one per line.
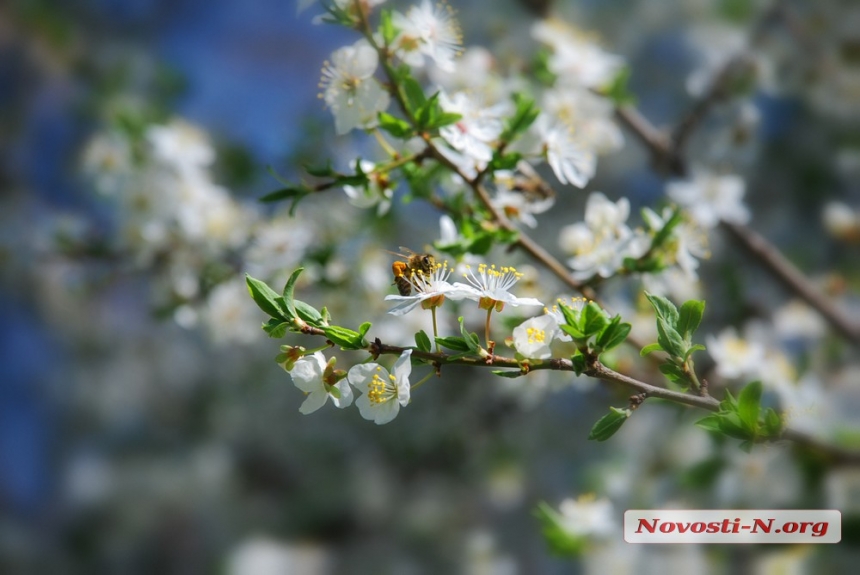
<point x="793" y="279"/>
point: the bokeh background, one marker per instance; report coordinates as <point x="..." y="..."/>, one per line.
<point x="146" y="428"/>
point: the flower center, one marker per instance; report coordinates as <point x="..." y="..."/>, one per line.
<point x="535" y="335"/>
<point x="378" y="391"/>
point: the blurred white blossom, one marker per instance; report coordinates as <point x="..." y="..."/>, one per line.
<point x="350" y="91"/>
<point x="710" y="198"/>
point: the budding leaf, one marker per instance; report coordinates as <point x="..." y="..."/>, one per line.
<point x="607" y="425"/>
<point x="613" y="334"/>
<point x="593" y="319"/>
<point x="395" y="126"/>
<point x="689" y="317"/>
<point x="265" y="297"/>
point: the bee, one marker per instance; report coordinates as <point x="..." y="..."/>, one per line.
<point x="421" y="264"/>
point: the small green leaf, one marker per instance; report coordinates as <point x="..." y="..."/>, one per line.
<point x="344" y="337"/>
<point x="453" y="343"/>
<point x="525" y="114"/>
<point x="471" y="339"/>
<point x="362" y="331"/>
<point x="289" y="289"/>
<point x="265" y="297"/>
<point x="691" y="349"/>
<point x="729" y="403"/>
<point x="415" y="97"/>
<point x="308" y="313"/>
<point x="572" y="331"/>
<point x="422" y="341"/>
<point x="610" y="423"/>
<point x="386" y="27"/>
<point x="593" y="319"/>
<point x="649" y="348"/>
<point x="749" y="402"/>
<point x="689" y="317"/>
<point x="664" y="308"/>
<point x="395" y="126"/>
<point x="614" y="334"/>
<point x="276" y="328"/>
<point x="669" y="339"/>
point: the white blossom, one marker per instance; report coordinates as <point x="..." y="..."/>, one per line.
<point x="571" y="162"/>
<point x="309" y="375"/>
<point x="491" y="285"/>
<point x="576" y="60"/>
<point x="587" y="516"/>
<point x="435" y="286"/>
<point x="376" y="193"/>
<point x="427" y="31"/>
<point x="735" y="357"/>
<point x="474" y="134"/>
<point x="383" y="393"/>
<point x="600" y="244"/>
<point x="349" y="88"/>
<point x="533" y="337"/>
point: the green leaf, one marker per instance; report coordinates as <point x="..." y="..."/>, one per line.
<point x="422" y="341"/>
<point x="669" y="339"/>
<point x="276" y="328"/>
<point x="572" y="317"/>
<point x="386" y="27"/>
<point x="362" y="331"/>
<point x="572" y="331"/>
<point x="607" y="425"/>
<point x="613" y="334"/>
<point x="289" y="289"/>
<point x="471" y="339"/>
<point x="689" y="317"/>
<point x="593" y="319"/>
<point x="691" y="349"/>
<point x="649" y="348"/>
<point x="746" y="445"/>
<point x="285" y="193"/>
<point x="443" y="119"/>
<point x="308" y="313"/>
<point x="265" y="297"/>
<point x="506" y="161"/>
<point x="664" y="308"/>
<point x="413" y="92"/>
<point x="395" y="126"/>
<point x="509" y="373"/>
<point x="525" y="114"/>
<point x="344" y="337"/>
<point x="453" y="343"/>
<point x="749" y="402"/>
